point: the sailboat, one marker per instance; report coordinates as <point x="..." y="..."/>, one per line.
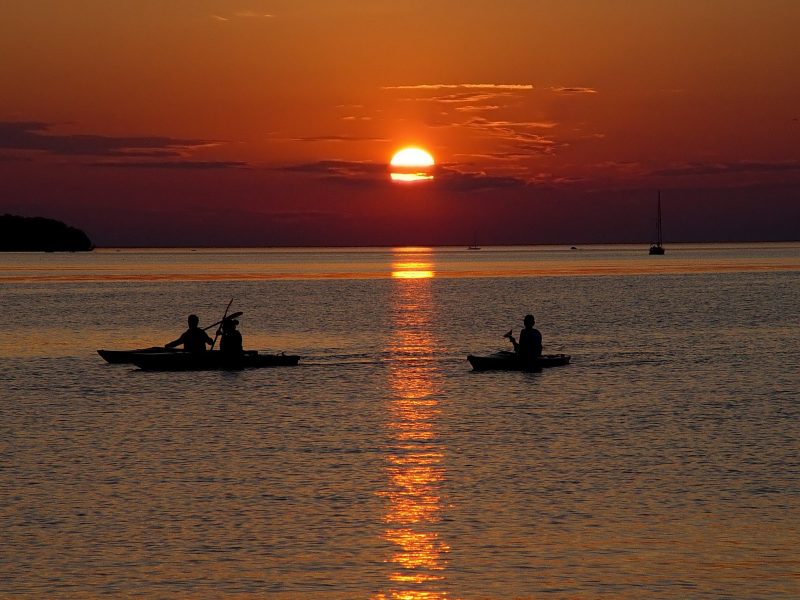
<point x="474" y="244"/>
<point x="658" y="248"/>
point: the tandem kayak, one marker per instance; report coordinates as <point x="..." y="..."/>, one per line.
<point x="118" y="357"/>
<point x="508" y="361"/>
<point x="211" y="360"/>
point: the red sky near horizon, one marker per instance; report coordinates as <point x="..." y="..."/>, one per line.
<point x="221" y="122"/>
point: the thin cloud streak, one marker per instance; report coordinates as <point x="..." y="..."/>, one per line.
<point x="363" y="174"/>
<point x="338" y="138"/>
<point x="468" y="101"/>
<point x="744" y="166"/>
<point x="497" y="156"/>
<point x="464" y="181"/>
<point x="36" y="136"/>
<point x="337" y="167"/>
<point x="518" y="134"/>
<point x="243" y="14"/>
<point x="251" y="14"/>
<point x="573" y="90"/>
<point x="187" y="164"/>
<point x="478" y="121"/>
<point x="466" y="97"/>
<point x="4" y="158"/>
<point x="456" y="86"/>
<point x="477" y="108"/>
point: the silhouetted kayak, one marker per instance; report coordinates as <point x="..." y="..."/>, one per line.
<point x="126" y="356"/>
<point x="508" y="361"/>
<point x="211" y="360"/>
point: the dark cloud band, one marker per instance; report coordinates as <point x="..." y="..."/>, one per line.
<point x="36" y="136"/>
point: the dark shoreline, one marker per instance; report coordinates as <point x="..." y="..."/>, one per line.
<point x="38" y="234"/>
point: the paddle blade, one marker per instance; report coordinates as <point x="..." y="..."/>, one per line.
<point x="508" y="333"/>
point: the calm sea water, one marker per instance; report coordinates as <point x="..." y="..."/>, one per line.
<point x="662" y="463"/>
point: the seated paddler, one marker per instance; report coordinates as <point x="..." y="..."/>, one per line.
<point x="230" y="343"/>
<point x="529" y="347"/>
<point x="193" y="339"/>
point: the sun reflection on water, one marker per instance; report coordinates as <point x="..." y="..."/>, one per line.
<point x="412" y="270"/>
<point x="414" y="469"/>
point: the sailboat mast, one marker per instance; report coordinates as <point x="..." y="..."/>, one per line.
<point x="658" y="226"/>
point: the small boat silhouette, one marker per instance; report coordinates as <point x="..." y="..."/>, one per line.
<point x="658" y="248"/>
<point x="474" y="245"/>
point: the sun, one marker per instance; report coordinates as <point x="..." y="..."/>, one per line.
<point x="411" y="164"/>
<point x="412" y="157"/>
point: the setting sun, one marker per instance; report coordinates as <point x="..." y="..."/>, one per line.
<point x="411" y="164"/>
<point x="412" y="157"/>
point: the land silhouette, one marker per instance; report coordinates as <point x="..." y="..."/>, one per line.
<point x="37" y="234"/>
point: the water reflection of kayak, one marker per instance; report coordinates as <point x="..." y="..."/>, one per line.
<point x="211" y="360"/>
<point x="508" y="361"/>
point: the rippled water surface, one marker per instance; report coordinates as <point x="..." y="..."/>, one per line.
<point x="664" y="462"/>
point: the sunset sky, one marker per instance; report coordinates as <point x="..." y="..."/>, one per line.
<point x="230" y="122"/>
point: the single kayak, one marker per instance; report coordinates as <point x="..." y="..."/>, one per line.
<point x="508" y="361"/>
<point x="118" y="357"/>
<point x="211" y="360"/>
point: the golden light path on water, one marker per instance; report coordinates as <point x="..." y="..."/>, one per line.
<point x="412" y="270"/>
<point x="414" y="470"/>
<point x="276" y="264"/>
<point x="412" y="262"/>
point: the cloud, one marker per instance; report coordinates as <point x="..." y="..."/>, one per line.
<point x="521" y="135"/>
<point x="186" y="164"/>
<point x="461" y="181"/>
<point x="146" y="153"/>
<point x="8" y="158"/>
<point x="485" y="92"/>
<point x="445" y="178"/>
<point x="573" y="90"/>
<point x="724" y="168"/>
<point x="243" y="14"/>
<point x="482" y="122"/>
<point x="468" y="102"/>
<point x="338" y="168"/>
<point x="477" y="108"/>
<point x="466" y="86"/>
<point x="465" y="97"/>
<point x="626" y="168"/>
<point x="338" y="138"/>
<point x="35" y="136"/>
<point x="252" y="14"/>
<point x="499" y="156"/>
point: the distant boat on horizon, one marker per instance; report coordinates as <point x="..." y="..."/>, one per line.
<point x="474" y="245"/>
<point x="658" y="248"/>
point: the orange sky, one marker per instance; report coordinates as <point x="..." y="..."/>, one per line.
<point x="271" y="122"/>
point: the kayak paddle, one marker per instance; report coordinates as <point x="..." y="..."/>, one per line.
<point x="230" y="316"/>
<point x="224" y="316"/>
